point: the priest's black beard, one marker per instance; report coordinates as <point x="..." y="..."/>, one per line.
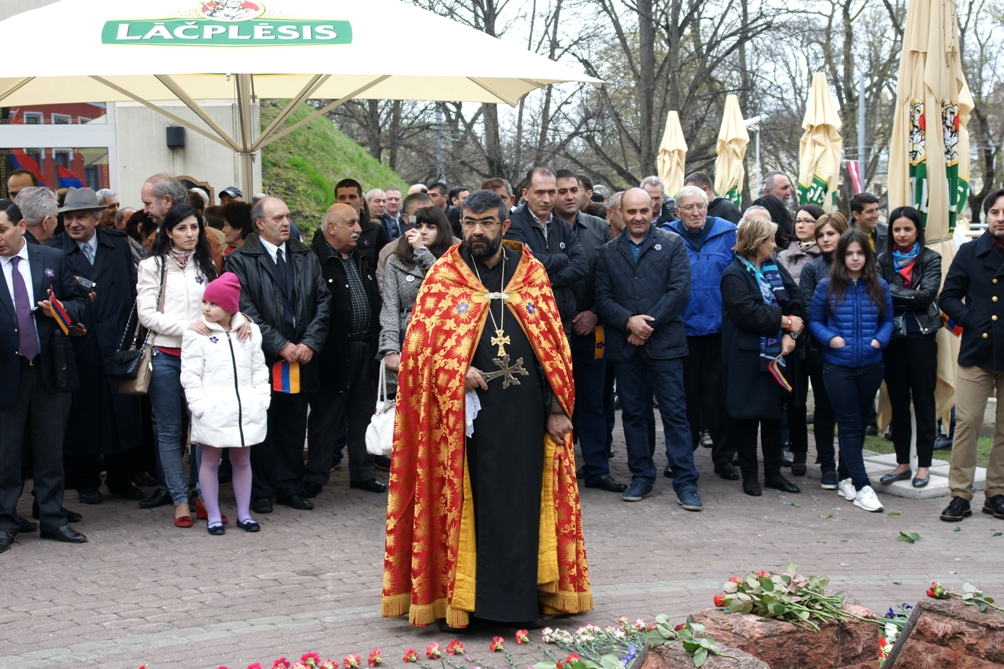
<point x="486" y="251"/>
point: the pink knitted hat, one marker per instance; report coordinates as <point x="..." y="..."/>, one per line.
<point x="225" y="292"/>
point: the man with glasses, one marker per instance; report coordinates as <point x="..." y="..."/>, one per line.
<point x="110" y="201"/>
<point x="482" y="437"/>
<point x="718" y="206"/>
<point x="709" y="242"/>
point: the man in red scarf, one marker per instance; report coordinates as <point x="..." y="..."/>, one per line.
<point x="479" y="504"/>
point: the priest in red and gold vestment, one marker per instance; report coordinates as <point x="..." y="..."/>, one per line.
<point x="483" y="511"/>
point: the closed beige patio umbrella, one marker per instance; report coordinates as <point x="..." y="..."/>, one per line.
<point x="732" y="141"/>
<point x="672" y="155"/>
<point x="821" y="147"/>
<point x="929" y="151"/>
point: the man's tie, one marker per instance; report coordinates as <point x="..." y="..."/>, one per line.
<point x="280" y="265"/>
<point x="27" y="336"/>
<point x="89" y="252"/>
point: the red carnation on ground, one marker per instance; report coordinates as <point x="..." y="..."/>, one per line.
<point x="572" y="658"/>
<point x="432" y="651"/>
<point x="375" y="660"/>
<point x="311" y="659"/>
<point x="719" y="600"/>
<point x="763" y="574"/>
<point x="455" y="648"/>
<point x="523" y="637"/>
<point x="253" y="665"/>
<point x="352" y="661"/>
<point x="281" y="663"/>
<point x="679" y="627"/>
<point x="936" y="591"/>
<point x="497" y="644"/>
<point x="736" y="579"/>
<point x="559" y="665"/>
<point x="411" y="655"/>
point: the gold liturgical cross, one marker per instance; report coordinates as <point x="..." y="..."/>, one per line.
<point x="500" y="339"/>
<point x="507" y="373"/>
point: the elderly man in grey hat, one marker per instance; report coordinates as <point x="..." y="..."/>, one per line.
<point x="102" y="421"/>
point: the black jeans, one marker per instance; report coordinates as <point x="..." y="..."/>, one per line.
<point x="277" y="463"/>
<point x="824" y="426"/>
<point x="589" y="418"/>
<point x="770" y="441"/>
<point x="795" y="412"/>
<point x="357" y="404"/>
<point x="853" y="390"/>
<point x="911" y="368"/>
<point x="702" y="380"/>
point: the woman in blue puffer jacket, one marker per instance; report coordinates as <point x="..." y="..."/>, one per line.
<point x="852" y="317"/>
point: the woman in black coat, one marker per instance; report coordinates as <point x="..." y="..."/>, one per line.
<point x="913" y="273"/>
<point x="762" y="313"/>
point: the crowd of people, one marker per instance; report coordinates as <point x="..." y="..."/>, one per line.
<point x="259" y="341"/>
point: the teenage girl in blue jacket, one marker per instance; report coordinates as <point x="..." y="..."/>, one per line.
<point x="852" y="317"/>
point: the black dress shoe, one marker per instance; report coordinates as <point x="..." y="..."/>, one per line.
<point x="261" y="505"/>
<point x="90" y="496"/>
<point x="160" y="497"/>
<point x="381" y="462"/>
<point x="312" y="490"/>
<point x="127" y="490"/>
<point x="956" y="510"/>
<point x="369" y="486"/>
<point x="25" y="525"/>
<point x="298" y="502"/>
<point x="892" y="478"/>
<point x="71" y="516"/>
<point x="782" y="484"/>
<point x="727" y="471"/>
<point x="752" y="487"/>
<point x="798" y="464"/>
<point x="6" y="539"/>
<point x="65" y="534"/>
<point x="606" y="482"/>
<point x="217" y="530"/>
<point x="921" y="482"/>
<point x="786" y="459"/>
<point x="144" y="480"/>
<point x="668" y="472"/>
<point x="942" y="442"/>
<point x="994" y="506"/>
<point x="248" y="525"/>
<point x="871" y="431"/>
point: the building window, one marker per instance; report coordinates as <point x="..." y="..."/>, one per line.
<point x="33" y="118"/>
<point x="62" y="119"/>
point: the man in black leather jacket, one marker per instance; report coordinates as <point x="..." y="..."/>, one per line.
<point x="284" y="292"/>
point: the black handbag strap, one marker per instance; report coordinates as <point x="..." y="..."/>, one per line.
<point x="134" y="314"/>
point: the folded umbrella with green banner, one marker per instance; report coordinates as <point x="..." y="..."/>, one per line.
<point x="820" y="148"/>
<point x="672" y="155"/>
<point x="732" y="142"/>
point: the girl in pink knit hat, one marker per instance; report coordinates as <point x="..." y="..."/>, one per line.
<point x="226" y="384"/>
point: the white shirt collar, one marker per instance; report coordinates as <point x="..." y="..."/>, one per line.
<point x="92" y="242"/>
<point x="541" y="223"/>
<point x="22" y="254"/>
<point x="272" y="248"/>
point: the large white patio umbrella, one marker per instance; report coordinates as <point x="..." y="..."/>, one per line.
<point x="244" y="50"/>
<point x="732" y="141"/>
<point x="821" y="147"/>
<point x="672" y="155"/>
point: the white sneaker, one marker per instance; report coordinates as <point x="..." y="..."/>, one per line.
<point x="868" y="500"/>
<point x="846" y="490"/>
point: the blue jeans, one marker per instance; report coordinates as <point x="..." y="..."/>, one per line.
<point x="666" y="377"/>
<point x="589" y="417"/>
<point x="852" y="393"/>
<point x="169" y="410"/>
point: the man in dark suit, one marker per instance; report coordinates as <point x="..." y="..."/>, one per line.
<point x="38" y="372"/>
<point x="106" y="423"/>
<point x="283" y="291"/>
<point x="372" y="237"/>
<point x="865" y="216"/>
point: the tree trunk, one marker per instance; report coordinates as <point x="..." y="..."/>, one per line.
<point x="373" y="128"/>
<point x="646" y="87"/>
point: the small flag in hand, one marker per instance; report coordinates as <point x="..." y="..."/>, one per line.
<point x="59" y="313"/>
<point x="286" y="377"/>
<point x="951" y="325"/>
<point x="776" y="367"/>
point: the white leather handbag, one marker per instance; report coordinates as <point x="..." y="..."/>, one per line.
<point x="380" y="433"/>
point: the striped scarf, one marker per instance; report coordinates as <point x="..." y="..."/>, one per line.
<point x="772" y="290"/>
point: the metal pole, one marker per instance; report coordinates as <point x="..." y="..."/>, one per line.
<point x="861" y="132"/>
<point x="759" y="183"/>
<point x="440" y="144"/>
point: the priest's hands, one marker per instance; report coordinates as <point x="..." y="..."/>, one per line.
<point x="558" y="426"/>
<point x="475" y="380"/>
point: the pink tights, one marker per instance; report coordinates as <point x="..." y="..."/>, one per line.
<point x="209" y="482"/>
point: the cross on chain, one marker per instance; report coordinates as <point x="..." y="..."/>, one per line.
<point x="500" y="339"/>
<point x="506" y="372"/>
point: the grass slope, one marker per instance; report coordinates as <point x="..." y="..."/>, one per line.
<point x="303" y="167"/>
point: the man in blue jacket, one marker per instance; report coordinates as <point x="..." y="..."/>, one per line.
<point x="709" y="242"/>
<point x="642" y="289"/>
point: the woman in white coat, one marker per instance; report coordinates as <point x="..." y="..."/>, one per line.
<point x="226" y="384"/>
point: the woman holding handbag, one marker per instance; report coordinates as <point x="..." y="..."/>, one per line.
<point x="913" y="273"/>
<point x="171" y="282"/>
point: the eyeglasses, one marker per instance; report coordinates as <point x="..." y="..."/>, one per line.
<point x="804" y="221"/>
<point x="486" y="223"/>
<point x="693" y="207"/>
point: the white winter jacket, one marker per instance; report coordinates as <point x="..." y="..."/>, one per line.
<point x="183" y="291"/>
<point x="226" y="384"/>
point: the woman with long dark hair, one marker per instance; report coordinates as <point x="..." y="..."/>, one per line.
<point x="851" y="316"/>
<point x="913" y="273"/>
<point x="417" y="249"/>
<point x="169" y="298"/>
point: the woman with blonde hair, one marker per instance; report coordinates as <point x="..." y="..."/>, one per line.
<point x="762" y="318"/>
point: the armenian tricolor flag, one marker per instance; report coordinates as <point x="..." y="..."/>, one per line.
<point x="67" y="179"/>
<point x="776" y="366"/>
<point x="286" y="377"/>
<point x="59" y="313"/>
<point x="951" y="325"/>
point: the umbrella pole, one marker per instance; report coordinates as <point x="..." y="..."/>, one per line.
<point x="244" y="125"/>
